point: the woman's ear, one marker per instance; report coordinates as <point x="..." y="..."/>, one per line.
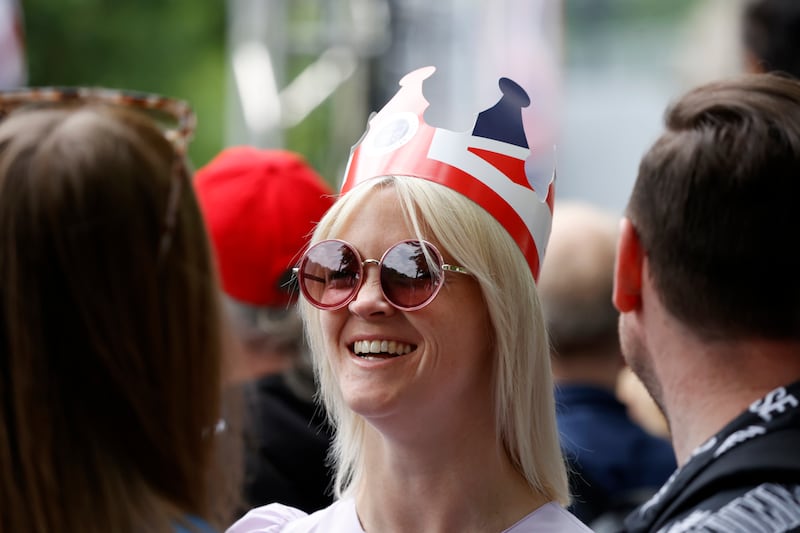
<point x="628" y="269"/>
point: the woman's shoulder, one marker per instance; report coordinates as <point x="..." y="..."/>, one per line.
<point x="272" y="518"/>
<point x="549" y="518"/>
<point x="339" y="517"/>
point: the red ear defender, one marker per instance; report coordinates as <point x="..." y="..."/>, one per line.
<point x="492" y="165"/>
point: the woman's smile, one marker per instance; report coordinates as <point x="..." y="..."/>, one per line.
<point x="381" y="349"/>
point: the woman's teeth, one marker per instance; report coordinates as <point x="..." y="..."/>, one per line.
<point x="380" y="349"/>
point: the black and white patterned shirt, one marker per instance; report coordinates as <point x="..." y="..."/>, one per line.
<point x="744" y="479"/>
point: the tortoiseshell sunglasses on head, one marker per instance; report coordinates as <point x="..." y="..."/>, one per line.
<point x="174" y="117"/>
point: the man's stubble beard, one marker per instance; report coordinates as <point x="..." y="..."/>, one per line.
<point x="640" y="360"/>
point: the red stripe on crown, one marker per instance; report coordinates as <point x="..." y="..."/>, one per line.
<point x="512" y="167"/>
<point x="412" y="160"/>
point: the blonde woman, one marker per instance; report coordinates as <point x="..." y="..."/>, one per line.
<point x="429" y="342"/>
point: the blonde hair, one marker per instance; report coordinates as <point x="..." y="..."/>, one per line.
<point x="524" y="403"/>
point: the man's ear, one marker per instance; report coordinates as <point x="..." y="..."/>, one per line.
<point x="628" y="269"/>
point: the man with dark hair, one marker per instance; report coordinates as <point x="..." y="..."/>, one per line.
<point x="615" y="464"/>
<point x="771" y="36"/>
<point x="708" y="285"/>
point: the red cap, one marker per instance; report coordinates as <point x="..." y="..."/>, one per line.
<point x="260" y="207"/>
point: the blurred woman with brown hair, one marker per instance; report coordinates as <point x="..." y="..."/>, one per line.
<point x="110" y="328"/>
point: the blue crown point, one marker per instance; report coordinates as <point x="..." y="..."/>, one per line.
<point x="503" y="121"/>
<point x="511" y="90"/>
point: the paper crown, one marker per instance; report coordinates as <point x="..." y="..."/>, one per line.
<point x="492" y="164"/>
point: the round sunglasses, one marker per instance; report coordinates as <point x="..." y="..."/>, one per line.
<point x="411" y="274"/>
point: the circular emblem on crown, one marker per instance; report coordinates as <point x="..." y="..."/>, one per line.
<point x="392" y="133"/>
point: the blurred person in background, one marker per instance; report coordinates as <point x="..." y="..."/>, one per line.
<point x="261" y="206"/>
<point x="615" y="464"/>
<point x="709" y="298"/>
<point x="420" y="302"/>
<point x="110" y="323"/>
<point x="13" y="63"/>
<point x="771" y="36"/>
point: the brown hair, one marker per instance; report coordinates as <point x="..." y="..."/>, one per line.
<point x="715" y="205"/>
<point x="110" y="352"/>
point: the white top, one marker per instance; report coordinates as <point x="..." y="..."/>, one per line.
<point x="340" y="517"/>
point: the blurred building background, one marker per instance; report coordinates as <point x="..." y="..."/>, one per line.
<point x="305" y="74"/>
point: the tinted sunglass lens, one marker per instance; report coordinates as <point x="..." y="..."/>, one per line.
<point x="329" y="274"/>
<point x="406" y="276"/>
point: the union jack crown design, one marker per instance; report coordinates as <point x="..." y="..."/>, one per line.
<point x="492" y="164"/>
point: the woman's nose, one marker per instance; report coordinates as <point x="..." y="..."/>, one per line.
<point x="369" y="299"/>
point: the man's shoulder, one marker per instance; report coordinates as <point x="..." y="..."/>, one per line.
<point x="767" y="508"/>
<point x="745" y="478"/>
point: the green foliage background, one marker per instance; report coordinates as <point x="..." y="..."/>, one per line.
<point x="171" y="47"/>
<point x="178" y="48"/>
